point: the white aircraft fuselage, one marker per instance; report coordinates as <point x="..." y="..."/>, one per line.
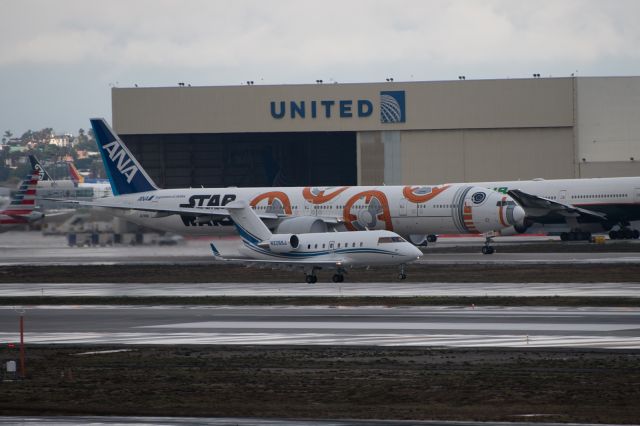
<point x="406" y="210"/>
<point x="617" y="199"/>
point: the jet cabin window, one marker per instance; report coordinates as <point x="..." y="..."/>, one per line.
<point x="383" y="240"/>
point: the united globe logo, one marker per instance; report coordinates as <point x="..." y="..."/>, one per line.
<point x="392" y="108"/>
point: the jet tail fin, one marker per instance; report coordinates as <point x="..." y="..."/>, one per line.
<point x="125" y="173"/>
<point x="35" y="165"/>
<point x="249" y="225"/>
<point x="76" y="177"/>
<point x="24" y="200"/>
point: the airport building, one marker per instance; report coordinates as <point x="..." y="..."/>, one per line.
<point x="383" y="133"/>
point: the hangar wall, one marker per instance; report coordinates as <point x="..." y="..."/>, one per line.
<point x="489" y="154"/>
<point x="447" y="131"/>
<point x="608" y="126"/>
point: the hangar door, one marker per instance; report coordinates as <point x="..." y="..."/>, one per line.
<point x="247" y="159"/>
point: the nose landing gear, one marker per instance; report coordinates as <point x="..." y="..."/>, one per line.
<point x="402" y="275"/>
<point x="488" y="248"/>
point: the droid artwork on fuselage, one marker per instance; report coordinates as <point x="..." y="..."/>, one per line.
<point x="406" y="210"/>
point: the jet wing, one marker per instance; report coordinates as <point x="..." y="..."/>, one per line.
<point x="277" y="264"/>
<point x="185" y="211"/>
<point x="537" y="207"/>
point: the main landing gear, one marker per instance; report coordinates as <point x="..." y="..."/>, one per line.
<point x="487" y="248"/>
<point x="337" y="278"/>
<point x="624" y="234"/>
<point x="310" y="276"/>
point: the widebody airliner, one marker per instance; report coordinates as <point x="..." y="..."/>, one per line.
<point x="411" y="211"/>
<point x="576" y="207"/>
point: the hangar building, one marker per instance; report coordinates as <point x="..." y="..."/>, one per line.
<point x="375" y="133"/>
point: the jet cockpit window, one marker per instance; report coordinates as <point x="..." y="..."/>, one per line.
<point x="383" y="240"/>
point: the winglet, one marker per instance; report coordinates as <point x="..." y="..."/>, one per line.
<point x="125" y="173"/>
<point x="215" y="251"/>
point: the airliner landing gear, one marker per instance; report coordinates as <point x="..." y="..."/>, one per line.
<point x="338" y="278"/>
<point x="311" y="279"/>
<point x="624" y="234"/>
<point x="575" y="236"/>
<point x="402" y="275"/>
<point x="487" y="248"/>
<point x="431" y="238"/>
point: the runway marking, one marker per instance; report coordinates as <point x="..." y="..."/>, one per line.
<point x="422" y="325"/>
<point x="457" y="340"/>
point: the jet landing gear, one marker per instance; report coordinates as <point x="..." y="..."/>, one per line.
<point x="487" y="248"/>
<point x="624" y="233"/>
<point x="337" y="278"/>
<point x="402" y="275"/>
<point x="310" y="276"/>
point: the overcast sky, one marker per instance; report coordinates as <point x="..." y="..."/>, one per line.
<point x="59" y="59"/>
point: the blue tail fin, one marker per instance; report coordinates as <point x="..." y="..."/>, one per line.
<point x="35" y="165"/>
<point x="125" y="173"/>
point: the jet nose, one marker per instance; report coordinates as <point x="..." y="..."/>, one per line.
<point x="414" y="252"/>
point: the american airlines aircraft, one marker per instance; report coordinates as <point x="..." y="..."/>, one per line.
<point x="577" y="207"/>
<point x="20" y="210"/>
<point x="411" y="211"/>
<point x="314" y="251"/>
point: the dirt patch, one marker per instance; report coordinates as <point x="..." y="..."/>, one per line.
<point x="198" y="273"/>
<point x="328" y="382"/>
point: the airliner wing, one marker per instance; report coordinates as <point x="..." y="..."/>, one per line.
<point x="185" y="211"/>
<point x="535" y="206"/>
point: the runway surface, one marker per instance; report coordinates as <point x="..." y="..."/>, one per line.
<point x="378" y="326"/>
<point x="31" y="248"/>
<point x="393" y="289"/>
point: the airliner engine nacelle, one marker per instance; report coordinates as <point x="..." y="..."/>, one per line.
<point x="34" y="216"/>
<point x="487" y="210"/>
<point x="282" y="243"/>
<point x="302" y="225"/>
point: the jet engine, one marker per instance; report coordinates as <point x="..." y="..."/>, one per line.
<point x="281" y="243"/>
<point x="301" y="225"/>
